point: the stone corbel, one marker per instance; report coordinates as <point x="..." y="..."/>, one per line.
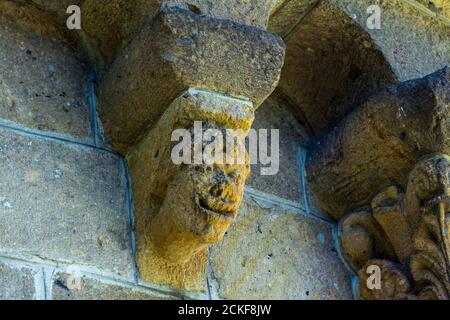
<point x="177" y="50"/>
<point x="145" y="96"/>
<point x="181" y="208"/>
<point x="383" y="174"/>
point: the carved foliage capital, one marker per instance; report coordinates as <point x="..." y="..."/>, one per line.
<point x="405" y="235"/>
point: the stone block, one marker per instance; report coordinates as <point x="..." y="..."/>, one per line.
<point x="63" y="202"/>
<point x="272" y="253"/>
<point x="332" y="65"/>
<point x="276" y="113"/>
<point x="113" y="24"/>
<point x="65" y="287"/>
<point x="43" y="85"/>
<point x="413" y="42"/>
<point x="378" y="144"/>
<point x="16" y="283"/>
<point x="287" y="14"/>
<point x="56" y="7"/>
<point x="180" y="50"/>
<point x="441" y="7"/>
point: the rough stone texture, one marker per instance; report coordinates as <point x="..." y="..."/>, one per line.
<point x="113" y="24"/>
<point x="287" y="13"/>
<point x="91" y="289"/>
<point x="58" y="7"/>
<point x="42" y="83"/>
<point x="441" y="7"/>
<point x="405" y="234"/>
<point x="31" y="17"/>
<point x="189" y="276"/>
<point x="276" y="4"/>
<point x="271" y="253"/>
<point x="178" y="50"/>
<point x="16" y="283"/>
<point x="414" y="44"/>
<point x="332" y="66"/>
<point x="276" y="113"/>
<point x="378" y="144"/>
<point x="180" y="209"/>
<point x="313" y="203"/>
<point x="63" y="202"/>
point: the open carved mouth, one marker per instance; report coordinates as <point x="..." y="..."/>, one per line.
<point x="220" y="207"/>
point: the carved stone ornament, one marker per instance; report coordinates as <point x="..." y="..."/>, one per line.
<point x="383" y="175"/>
<point x="406" y="235"/>
<point x="148" y="93"/>
<point x="181" y="208"/>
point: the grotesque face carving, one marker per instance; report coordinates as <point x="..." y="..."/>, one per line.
<point x="192" y="204"/>
<point x="201" y="203"/>
<point x="218" y="193"/>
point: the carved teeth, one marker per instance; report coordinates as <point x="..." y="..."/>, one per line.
<point x="217" y="205"/>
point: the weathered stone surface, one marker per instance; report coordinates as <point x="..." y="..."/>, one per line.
<point x="63" y="202"/>
<point x="113" y="24"/>
<point x="276" y="113"/>
<point x="276" y="4"/>
<point x="189" y="276"/>
<point x="378" y="144"/>
<point x="178" y="50"/>
<point x="43" y="85"/>
<point x="332" y="65"/>
<point x="90" y="289"/>
<point x="182" y="208"/>
<point x="441" y="7"/>
<point x="56" y="7"/>
<point x="287" y="13"/>
<point x="271" y="253"/>
<point x="16" y="283"/>
<point x="413" y="43"/>
<point x="35" y="18"/>
<point x="406" y="235"/>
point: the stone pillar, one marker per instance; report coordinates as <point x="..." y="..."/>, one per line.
<point x="182" y="71"/>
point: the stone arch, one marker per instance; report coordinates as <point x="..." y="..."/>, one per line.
<point x="332" y="64"/>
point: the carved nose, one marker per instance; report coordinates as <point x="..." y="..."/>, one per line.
<point x="223" y="186"/>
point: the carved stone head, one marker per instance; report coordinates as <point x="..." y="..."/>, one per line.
<point x="191" y="205"/>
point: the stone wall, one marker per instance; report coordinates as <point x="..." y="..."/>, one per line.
<point x="65" y="199"/>
<point x="67" y="219"/>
